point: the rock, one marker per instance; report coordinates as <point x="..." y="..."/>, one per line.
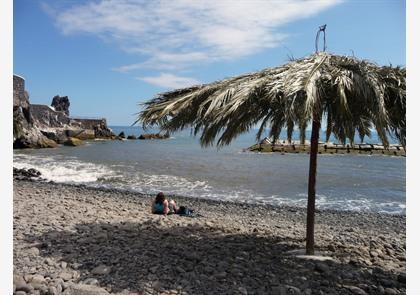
<point x="66" y="276"/>
<point x="243" y="290"/>
<point x="32" y="251"/>
<point x="71" y="141"/>
<point x="389" y="291"/>
<point x="82" y="289"/>
<point x="52" y="290"/>
<point x="356" y="290"/>
<point x="42" y="126"/>
<point x="17" y="279"/>
<point x="102" y="131"/>
<point x="101" y="270"/>
<point x="401" y="278"/>
<point x="24" y="287"/>
<point x="91" y="281"/>
<point x="56" y="136"/>
<point x="321" y="267"/>
<point x="293" y="289"/>
<point x="37" y="279"/>
<point x="25" y="133"/>
<point x="156" y="285"/>
<point x="26" y="174"/>
<point x="32" y="137"/>
<point x="43" y="289"/>
<point x="61" y="104"/>
<point x="82" y="134"/>
<point x="20" y="293"/>
<point x="154" y="269"/>
<point x="131" y="137"/>
<point x="280" y="290"/>
<point x="49" y="262"/>
<point x="154" y="136"/>
<point x="121" y="135"/>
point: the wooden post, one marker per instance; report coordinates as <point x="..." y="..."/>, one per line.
<point x="310" y="216"/>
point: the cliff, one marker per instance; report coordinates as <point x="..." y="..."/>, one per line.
<point x="25" y="133"/>
<point x="39" y="126"/>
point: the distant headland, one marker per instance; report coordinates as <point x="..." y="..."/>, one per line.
<point x="40" y="126"/>
<point x="44" y="126"/>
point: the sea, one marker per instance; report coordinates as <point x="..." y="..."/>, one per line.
<point x="179" y="166"/>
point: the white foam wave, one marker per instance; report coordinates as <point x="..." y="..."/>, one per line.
<point x="68" y="171"/>
<point x="349" y="204"/>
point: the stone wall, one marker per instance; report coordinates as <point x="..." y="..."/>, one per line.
<point x="46" y="116"/>
<point x="88" y="123"/>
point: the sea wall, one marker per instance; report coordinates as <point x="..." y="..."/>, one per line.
<point x="330" y="148"/>
<point x="46" y="116"/>
<point x="88" y="123"/>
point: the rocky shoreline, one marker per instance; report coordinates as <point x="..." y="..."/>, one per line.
<point x="80" y="240"/>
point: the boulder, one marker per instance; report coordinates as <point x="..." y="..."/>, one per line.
<point x="102" y="131"/>
<point x="82" y="134"/>
<point x="121" y="135"/>
<point x="58" y="135"/>
<point x="32" y="138"/>
<point x="101" y="270"/>
<point x="82" y="289"/>
<point x="26" y="174"/>
<point x="154" y="136"/>
<point x="131" y="137"/>
<point x="61" y="104"/>
<point x="72" y="141"/>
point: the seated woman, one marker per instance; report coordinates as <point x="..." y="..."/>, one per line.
<point x="162" y="206"/>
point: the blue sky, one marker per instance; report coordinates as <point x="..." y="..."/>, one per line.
<point x="108" y="56"/>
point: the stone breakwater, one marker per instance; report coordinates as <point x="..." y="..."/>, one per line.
<point x="80" y="240"/>
<point x="330" y="148"/>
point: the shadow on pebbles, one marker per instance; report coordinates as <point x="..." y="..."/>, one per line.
<point x="95" y="255"/>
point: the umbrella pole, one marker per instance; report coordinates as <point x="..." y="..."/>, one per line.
<point x="310" y="216"/>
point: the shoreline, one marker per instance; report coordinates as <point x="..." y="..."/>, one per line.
<point x="104" y="188"/>
<point x="75" y="236"/>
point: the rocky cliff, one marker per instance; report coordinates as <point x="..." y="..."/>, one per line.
<point x="25" y="133"/>
<point x="39" y="126"/>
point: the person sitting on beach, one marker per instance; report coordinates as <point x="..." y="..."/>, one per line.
<point x="161" y="205"/>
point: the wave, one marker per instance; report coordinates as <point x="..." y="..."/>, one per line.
<point x="67" y="169"/>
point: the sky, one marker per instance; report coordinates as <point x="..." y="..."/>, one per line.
<point x="108" y="56"/>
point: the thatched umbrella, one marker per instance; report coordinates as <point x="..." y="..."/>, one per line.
<point x="352" y="95"/>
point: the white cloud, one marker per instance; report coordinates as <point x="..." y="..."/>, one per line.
<point x="178" y="34"/>
<point x="167" y="80"/>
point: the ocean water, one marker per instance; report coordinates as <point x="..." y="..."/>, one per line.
<point x="179" y="166"/>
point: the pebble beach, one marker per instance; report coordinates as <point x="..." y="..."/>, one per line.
<point x="71" y="239"/>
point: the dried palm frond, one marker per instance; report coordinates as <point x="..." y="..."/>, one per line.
<point x="354" y="95"/>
